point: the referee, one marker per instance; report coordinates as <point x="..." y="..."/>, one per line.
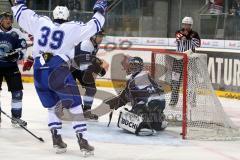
<point x="186" y="40"/>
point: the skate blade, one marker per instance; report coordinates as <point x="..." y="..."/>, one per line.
<point x="17" y="125"/>
<point x="92" y="120"/>
<point x="87" y="153"/>
<point x="59" y="150"/>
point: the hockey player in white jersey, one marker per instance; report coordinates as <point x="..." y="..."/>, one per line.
<point x="53" y="47"/>
<point x="12" y="39"/>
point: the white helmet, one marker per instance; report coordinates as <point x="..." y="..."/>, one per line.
<point x="61" y="12"/>
<point x="187" y="20"/>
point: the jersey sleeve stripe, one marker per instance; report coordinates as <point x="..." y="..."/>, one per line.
<point x="96" y="25"/>
<point x="20" y="10"/>
<point x="98" y="22"/>
<point x="18" y="16"/>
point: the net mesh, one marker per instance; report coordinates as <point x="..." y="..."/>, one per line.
<point x="206" y="118"/>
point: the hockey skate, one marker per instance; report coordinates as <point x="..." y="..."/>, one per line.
<point x="90" y="116"/>
<point x="58" y="144"/>
<point x="85" y="148"/>
<point x="17" y="121"/>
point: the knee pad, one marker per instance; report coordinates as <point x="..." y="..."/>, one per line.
<point x="17" y="95"/>
<point x="156" y="105"/>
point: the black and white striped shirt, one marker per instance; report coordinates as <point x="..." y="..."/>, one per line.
<point x="186" y="42"/>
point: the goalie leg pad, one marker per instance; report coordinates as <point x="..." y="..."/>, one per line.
<point x="133" y="123"/>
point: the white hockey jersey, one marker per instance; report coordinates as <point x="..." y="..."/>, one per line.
<point x="58" y="39"/>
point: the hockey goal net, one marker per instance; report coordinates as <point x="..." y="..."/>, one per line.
<point x="191" y="101"/>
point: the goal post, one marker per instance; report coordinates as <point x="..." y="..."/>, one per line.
<point x="184" y="57"/>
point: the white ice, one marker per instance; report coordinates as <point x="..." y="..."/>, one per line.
<point x="110" y="142"/>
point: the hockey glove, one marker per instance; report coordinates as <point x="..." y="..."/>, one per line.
<point x="13" y="56"/>
<point x="100" y="6"/>
<point x="96" y="61"/>
<point x="20" y="1"/>
<point x="28" y="64"/>
<point x="102" y="72"/>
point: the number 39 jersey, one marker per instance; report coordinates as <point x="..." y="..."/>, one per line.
<point x="58" y="39"/>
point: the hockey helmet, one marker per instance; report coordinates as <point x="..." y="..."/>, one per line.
<point x="5" y="14"/>
<point x="61" y="12"/>
<point x="187" y="20"/>
<point x="101" y="33"/>
<point x="135" y="65"/>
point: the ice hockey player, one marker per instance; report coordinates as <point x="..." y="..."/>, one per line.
<point x="53" y="47"/>
<point x="85" y="56"/>
<point x="147" y="100"/>
<point x="187" y="40"/>
<point x="12" y="48"/>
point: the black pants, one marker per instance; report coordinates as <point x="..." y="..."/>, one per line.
<point x="176" y="80"/>
<point x="13" y="78"/>
<point x="87" y="80"/>
<point x="153" y="115"/>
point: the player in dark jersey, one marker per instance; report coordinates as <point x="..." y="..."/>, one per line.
<point x="85" y="53"/>
<point x="147" y="100"/>
<point x="11" y="46"/>
<point x="187" y="40"/>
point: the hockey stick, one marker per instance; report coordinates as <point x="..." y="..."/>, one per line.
<point x="11" y="53"/>
<point x="110" y="117"/>
<point x="39" y="138"/>
<point x="112" y="4"/>
<point x="11" y="3"/>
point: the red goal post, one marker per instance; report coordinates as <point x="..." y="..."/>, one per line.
<point x="184" y="82"/>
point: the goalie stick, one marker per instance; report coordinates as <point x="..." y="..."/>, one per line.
<point x="39" y="138"/>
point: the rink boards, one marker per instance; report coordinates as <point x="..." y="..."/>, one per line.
<point x="224" y="70"/>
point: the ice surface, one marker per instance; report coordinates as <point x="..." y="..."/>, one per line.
<point x="110" y="142"/>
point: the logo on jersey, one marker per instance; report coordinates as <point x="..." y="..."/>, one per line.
<point x="24" y="44"/>
<point x="5" y="47"/>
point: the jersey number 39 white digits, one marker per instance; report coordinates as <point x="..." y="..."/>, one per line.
<point x="56" y="38"/>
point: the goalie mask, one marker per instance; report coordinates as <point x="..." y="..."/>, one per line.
<point x="135" y="65"/>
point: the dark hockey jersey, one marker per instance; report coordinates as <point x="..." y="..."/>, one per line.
<point x="8" y="43"/>
<point x="86" y="50"/>
<point x="141" y="88"/>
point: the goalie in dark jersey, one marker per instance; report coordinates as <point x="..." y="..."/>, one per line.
<point x="147" y="100"/>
